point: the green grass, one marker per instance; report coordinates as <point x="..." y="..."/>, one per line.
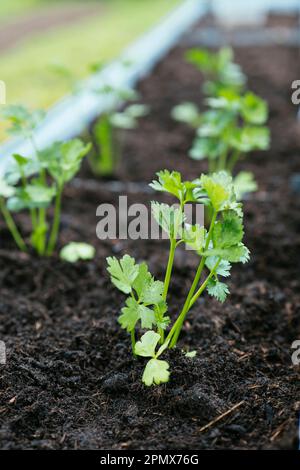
<point x="26" y="68"/>
<point x="17" y="7"/>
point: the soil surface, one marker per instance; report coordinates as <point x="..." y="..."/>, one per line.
<point x="70" y="381"/>
<point x="15" y="31"/>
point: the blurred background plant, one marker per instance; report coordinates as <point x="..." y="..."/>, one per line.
<point x="234" y="123"/>
<point x="106" y="133"/>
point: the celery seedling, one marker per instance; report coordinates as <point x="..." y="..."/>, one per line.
<point x="232" y="127"/>
<point x="7" y="191"/>
<point x="33" y="183"/>
<point x="106" y="141"/>
<point x="106" y="133"/>
<point x="218" y="68"/>
<point x="217" y="248"/>
<point x="76" y="251"/>
<point x="234" y="123"/>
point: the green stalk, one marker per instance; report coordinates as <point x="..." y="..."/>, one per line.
<point x="203" y="286"/>
<point x="117" y="144"/>
<point x="32" y="211"/>
<point x="33" y="218"/>
<point x="169" y="268"/>
<point x="178" y="324"/>
<point x="173" y="245"/>
<point x="176" y="329"/>
<point x="103" y="162"/>
<point x="42" y="237"/>
<point x="12" y="226"/>
<point x="211" y="165"/>
<point x="167" y="280"/>
<point x="233" y="160"/>
<point x="56" y="222"/>
<point x="132" y="334"/>
<point x="40" y="244"/>
<point x="222" y="160"/>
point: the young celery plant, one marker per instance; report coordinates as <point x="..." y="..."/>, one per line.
<point x="23" y="124"/>
<point x="62" y="161"/>
<point x="7" y="191"/>
<point x="233" y="124"/>
<point x="217" y="248"/>
<point x="218" y="68"/>
<point x="33" y="183"/>
<point x="232" y="127"/>
<point x="106" y="133"/>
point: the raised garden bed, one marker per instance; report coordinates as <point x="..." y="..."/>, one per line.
<point x="70" y="381"/>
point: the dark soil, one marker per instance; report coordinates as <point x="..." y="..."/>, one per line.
<point x="70" y="380"/>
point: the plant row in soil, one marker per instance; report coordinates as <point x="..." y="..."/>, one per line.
<point x="70" y="381"/>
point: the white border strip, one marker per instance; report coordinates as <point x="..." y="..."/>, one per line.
<point x="71" y="115"/>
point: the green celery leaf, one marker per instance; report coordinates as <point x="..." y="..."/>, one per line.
<point x="142" y="280"/>
<point x="248" y="138"/>
<point x="203" y="59"/>
<point x="40" y="195"/>
<point x="217" y="289"/>
<point x="232" y="76"/>
<point x="23" y="121"/>
<point x="147" y="317"/>
<point x="159" y="310"/>
<point x="16" y="170"/>
<point x="148" y="290"/>
<point x="147" y="345"/>
<point x="187" y="113"/>
<point x="133" y="312"/>
<point x="63" y="160"/>
<point x="254" y="109"/>
<point x="75" y="251"/>
<point x="218" y="187"/>
<point x="244" y="183"/>
<point x="227" y="100"/>
<point x="18" y="203"/>
<point x="156" y="372"/>
<point x="21" y="161"/>
<point x="191" y="354"/>
<point x="123" y="121"/>
<point x="223" y="268"/>
<point x="5" y="189"/>
<point x="152" y="292"/>
<point x="169" y="218"/>
<point x="35" y="195"/>
<point x="228" y="231"/>
<point x="234" y="254"/>
<point x="207" y="147"/>
<point x="130" y="314"/>
<point x="194" y="236"/>
<point x="169" y="182"/>
<point x="137" y="110"/>
<point x="215" y="122"/>
<point x="123" y="273"/>
<point x="234" y="206"/>
<point x="217" y="190"/>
